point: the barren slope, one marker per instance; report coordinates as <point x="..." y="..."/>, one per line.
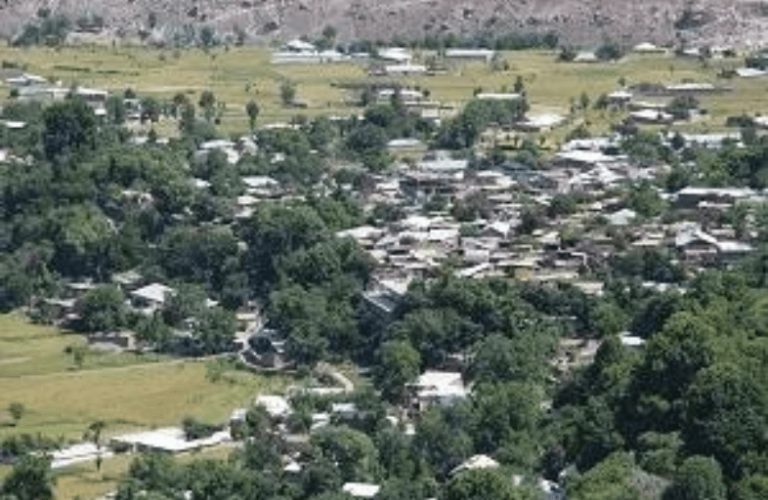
<point x="739" y="22"/>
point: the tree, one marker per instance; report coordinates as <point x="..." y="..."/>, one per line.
<point x="481" y="484"/>
<point x="215" y="330"/>
<point x="78" y="355"/>
<point x="699" y="478"/>
<point x="442" y="442"/>
<point x="253" y="112"/>
<point x="102" y="310"/>
<point x="353" y="452"/>
<point x="207" y="102"/>
<point x="609" y="51"/>
<point x="288" y="93"/>
<point x="753" y="487"/>
<point x="561" y="205"/>
<point x="519" y="85"/>
<point x="186" y="303"/>
<point x="30" y="479"/>
<point x="187" y="120"/>
<point x="17" y="411"/>
<point x="150" y="109"/>
<point x="584" y="101"/>
<point x="399" y="363"/>
<point x="726" y="416"/>
<point x="207" y="37"/>
<point x="115" y="107"/>
<point x="95" y="430"/>
<point x="69" y="127"/>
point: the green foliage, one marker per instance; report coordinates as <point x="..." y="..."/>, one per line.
<point x="399" y="363"/>
<point x="561" y="205"/>
<point x="481" y="484"/>
<point x="70" y="127"/>
<point x="699" y="478"/>
<point x="16" y="410"/>
<point x="102" y="310"/>
<point x="609" y="51"/>
<point x="463" y="131"/>
<point x="288" y="93"/>
<point x="645" y="200"/>
<point x="195" y="429"/>
<point x="352" y="451"/>
<point x="252" y="109"/>
<point x="609" y="480"/>
<point x="442" y="440"/>
<point x="30" y="479"/>
<point x="50" y="31"/>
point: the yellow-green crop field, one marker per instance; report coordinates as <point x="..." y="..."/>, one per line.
<point x="126" y="391"/>
<point x="239" y="74"/>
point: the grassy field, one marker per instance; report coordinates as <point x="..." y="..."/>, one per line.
<point x="238" y="75"/>
<point x="126" y="391"/>
<point x="157" y="394"/>
<point x="27" y="349"/>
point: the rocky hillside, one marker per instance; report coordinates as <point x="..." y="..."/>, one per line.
<point x="584" y="22"/>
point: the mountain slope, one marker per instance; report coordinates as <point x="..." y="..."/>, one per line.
<point x="737" y="22"/>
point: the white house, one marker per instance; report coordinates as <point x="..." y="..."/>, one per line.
<point x="476" y="462"/>
<point x="168" y="440"/>
<point x="151" y="297"/>
<point x="485" y="55"/>
<point x="490" y="96"/>
<point x="437" y="387"/>
<point x="361" y="490"/>
<point x="397" y="55"/>
<point x="276" y="406"/>
<point x="405" y="69"/>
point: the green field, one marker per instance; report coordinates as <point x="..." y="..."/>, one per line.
<point x="237" y="75"/>
<point x="27" y="349"/>
<point x="127" y="391"/>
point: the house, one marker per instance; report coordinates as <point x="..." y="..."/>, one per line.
<point x="582" y="160"/>
<point x="78" y="453"/>
<point x="437" y="387"/>
<point x="619" y="98"/>
<point x="96" y="98"/>
<point x="42" y="94"/>
<point x="623" y="217"/>
<point x="383" y="300"/>
<point x="541" y="122"/>
<point x="694" y="245"/>
<point x="397" y="55"/>
<point x="127" y="280"/>
<point x="586" y="57"/>
<point x="345" y="411"/>
<point x="691" y="197"/>
<point x="750" y="72"/>
<point x="276" y="406"/>
<point x="25" y="80"/>
<point x="261" y="186"/>
<point x="690" y="88"/>
<point x="167" y="440"/>
<point x="476" y="462"/>
<point x="491" y="96"/>
<point x="482" y="55"/>
<point x="651" y="116"/>
<point x="406" y="146"/>
<point x="266" y="349"/>
<point x="405" y="70"/>
<point x="150" y="298"/>
<point x="648" y="48"/>
<point x="361" y="490"/>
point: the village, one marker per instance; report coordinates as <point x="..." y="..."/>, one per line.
<point x="537" y="199"/>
